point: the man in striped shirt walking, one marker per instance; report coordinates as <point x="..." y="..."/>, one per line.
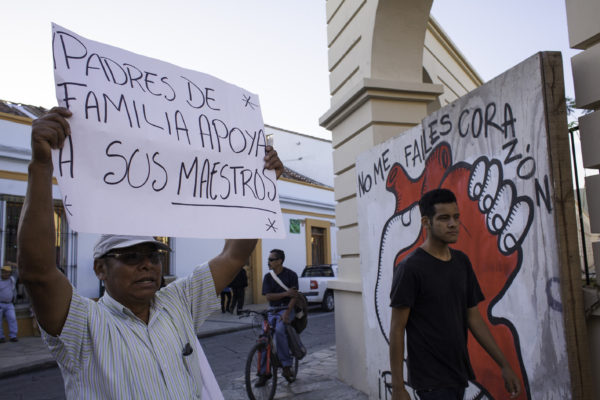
<point x="136" y="342"/>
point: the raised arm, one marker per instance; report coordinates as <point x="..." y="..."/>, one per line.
<point x="236" y="252"/>
<point x="483" y="335"/>
<point x="292" y="293"/>
<point x="397" y="331"/>
<point x="49" y="289"/>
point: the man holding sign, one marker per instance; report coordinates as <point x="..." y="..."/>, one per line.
<point x="136" y="342"/>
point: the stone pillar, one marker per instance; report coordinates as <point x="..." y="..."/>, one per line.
<point x="376" y="83"/>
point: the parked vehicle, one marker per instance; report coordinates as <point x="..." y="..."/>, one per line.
<point x="313" y="284"/>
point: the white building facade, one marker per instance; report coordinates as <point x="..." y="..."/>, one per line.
<point x="305" y="191"/>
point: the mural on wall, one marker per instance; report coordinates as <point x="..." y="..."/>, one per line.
<point x="490" y="148"/>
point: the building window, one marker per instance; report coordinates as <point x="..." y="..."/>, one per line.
<point x="318" y="241"/>
<point x="13" y="211"/>
<point x="64" y="241"/>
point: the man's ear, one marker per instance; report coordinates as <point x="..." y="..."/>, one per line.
<point x="100" y="268"/>
<point x="425" y="221"/>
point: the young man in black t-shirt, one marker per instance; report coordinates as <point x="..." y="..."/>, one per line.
<point x="280" y="297"/>
<point x="434" y="299"/>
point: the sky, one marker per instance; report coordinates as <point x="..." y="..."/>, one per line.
<point x="274" y="48"/>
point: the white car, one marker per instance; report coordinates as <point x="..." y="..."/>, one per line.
<point x="313" y="284"/>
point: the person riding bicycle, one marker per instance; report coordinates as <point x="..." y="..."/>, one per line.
<point x="280" y="297"/>
<point x="131" y="343"/>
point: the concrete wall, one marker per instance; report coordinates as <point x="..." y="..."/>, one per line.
<point x="15" y="132"/>
<point x="584" y="34"/>
<point x="444" y="64"/>
<point x="308" y="155"/>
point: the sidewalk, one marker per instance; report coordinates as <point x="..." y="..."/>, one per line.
<point x="28" y="354"/>
<point x="219" y="323"/>
<point x="316" y="379"/>
<point x="317" y="373"/>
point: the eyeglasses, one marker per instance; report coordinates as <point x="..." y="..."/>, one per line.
<point x="136" y="257"/>
<point x="273" y="259"/>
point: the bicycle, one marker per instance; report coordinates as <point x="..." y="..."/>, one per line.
<point x="264" y="344"/>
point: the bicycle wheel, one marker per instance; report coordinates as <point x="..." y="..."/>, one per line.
<point x="253" y="376"/>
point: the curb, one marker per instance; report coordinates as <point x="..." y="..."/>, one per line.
<point x="45" y="364"/>
<point x="49" y="362"/>
<point x="220" y="331"/>
<point x="238" y="327"/>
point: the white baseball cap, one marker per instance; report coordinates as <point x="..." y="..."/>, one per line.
<point x="107" y="243"/>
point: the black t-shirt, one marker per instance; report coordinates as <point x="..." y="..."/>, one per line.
<point x="288" y="277"/>
<point x="240" y="280"/>
<point x="438" y="294"/>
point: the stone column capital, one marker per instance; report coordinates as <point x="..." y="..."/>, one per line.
<point x="369" y="89"/>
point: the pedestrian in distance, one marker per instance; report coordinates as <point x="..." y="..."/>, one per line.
<point x="136" y="342"/>
<point x="434" y="299"/>
<point x="238" y="287"/>
<point x="8" y="294"/>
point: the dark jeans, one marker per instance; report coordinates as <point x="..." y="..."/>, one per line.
<point x="238" y="298"/>
<point x="442" y="394"/>
<point x="281" y="340"/>
<point x="225" y="301"/>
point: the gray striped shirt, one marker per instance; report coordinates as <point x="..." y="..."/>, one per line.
<point x="105" y="352"/>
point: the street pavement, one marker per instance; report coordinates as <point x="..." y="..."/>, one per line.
<point x="316" y="380"/>
<point x="317" y="376"/>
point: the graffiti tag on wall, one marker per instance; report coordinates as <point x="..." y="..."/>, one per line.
<point x="490" y="149"/>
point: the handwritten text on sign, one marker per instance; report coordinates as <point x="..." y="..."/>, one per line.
<point x="157" y="149"/>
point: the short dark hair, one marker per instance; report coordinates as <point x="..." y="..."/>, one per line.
<point x="280" y="254"/>
<point x="433" y="197"/>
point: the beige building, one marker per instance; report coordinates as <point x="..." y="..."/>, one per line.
<point x="584" y="34"/>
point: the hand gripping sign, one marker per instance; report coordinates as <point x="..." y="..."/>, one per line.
<point x="157" y="149"/>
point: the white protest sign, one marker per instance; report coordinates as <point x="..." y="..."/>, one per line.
<point x="157" y="149"/>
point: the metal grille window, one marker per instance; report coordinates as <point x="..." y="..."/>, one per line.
<point x="13" y="211"/>
<point x="64" y="242"/>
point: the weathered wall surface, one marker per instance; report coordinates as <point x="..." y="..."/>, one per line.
<point x="491" y="148"/>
